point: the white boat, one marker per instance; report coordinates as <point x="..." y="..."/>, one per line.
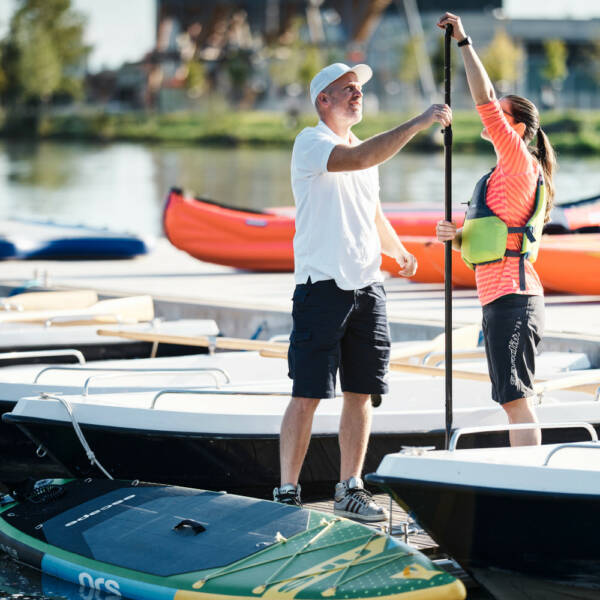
<point x="517" y="518"/>
<point x="45" y="335"/>
<point x="227" y="437"/>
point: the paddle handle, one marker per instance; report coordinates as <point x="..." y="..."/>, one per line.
<point x="448" y="244"/>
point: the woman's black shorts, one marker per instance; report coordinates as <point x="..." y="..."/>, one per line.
<point x="513" y="326"/>
<point x="338" y="329"/>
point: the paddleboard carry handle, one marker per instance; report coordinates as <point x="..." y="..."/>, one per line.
<point x="189" y="525"/>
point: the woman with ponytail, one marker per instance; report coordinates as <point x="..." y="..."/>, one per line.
<point x="515" y="199"/>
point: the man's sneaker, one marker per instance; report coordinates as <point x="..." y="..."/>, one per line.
<point x="354" y="502"/>
<point x="288" y="494"/>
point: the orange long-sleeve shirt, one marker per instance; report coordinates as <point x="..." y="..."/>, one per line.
<point x="511" y="195"/>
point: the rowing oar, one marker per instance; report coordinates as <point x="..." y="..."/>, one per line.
<point x="448" y="248"/>
<point x="49" y="300"/>
<point x="223" y="343"/>
<point x="586" y="382"/>
<point x="467" y="338"/>
<point x="132" y="309"/>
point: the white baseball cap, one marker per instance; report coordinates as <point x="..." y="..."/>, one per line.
<point x="329" y="74"/>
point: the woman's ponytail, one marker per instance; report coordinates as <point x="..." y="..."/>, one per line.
<point x="524" y="111"/>
<point x="547" y="159"/>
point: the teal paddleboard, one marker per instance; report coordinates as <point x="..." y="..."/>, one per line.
<point x="157" y="542"/>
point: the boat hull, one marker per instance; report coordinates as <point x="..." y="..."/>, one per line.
<point x="483" y="528"/>
<point x="246" y="464"/>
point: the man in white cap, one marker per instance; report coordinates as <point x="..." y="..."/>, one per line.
<point x="339" y="310"/>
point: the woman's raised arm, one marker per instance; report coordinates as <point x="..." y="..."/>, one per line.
<point x="480" y="85"/>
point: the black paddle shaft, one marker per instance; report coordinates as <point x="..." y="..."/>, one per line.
<point x="448" y="244"/>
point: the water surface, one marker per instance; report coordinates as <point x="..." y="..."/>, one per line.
<point x="123" y="186"/>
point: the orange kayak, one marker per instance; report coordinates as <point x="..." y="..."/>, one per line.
<point x="263" y="241"/>
<point x="228" y="236"/>
<point x="566" y="263"/>
<point x="570" y="263"/>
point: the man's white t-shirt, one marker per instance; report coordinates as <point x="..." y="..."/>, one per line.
<point x="336" y="237"/>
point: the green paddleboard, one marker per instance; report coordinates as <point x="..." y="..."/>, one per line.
<point x="157" y="542"/>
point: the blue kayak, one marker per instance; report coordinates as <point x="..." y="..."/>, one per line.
<point x="24" y="239"/>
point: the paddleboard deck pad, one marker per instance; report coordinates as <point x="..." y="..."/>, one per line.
<point x="156" y="542"/>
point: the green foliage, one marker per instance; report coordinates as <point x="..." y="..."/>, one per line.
<point x="502" y="59"/>
<point x="3" y="77"/>
<point x="438" y="59"/>
<point x="310" y="64"/>
<point x="573" y="131"/>
<point x="44" y="51"/>
<point x="555" y="65"/>
<point x="591" y="56"/>
<point x="195" y="80"/>
<point x="408" y="70"/>
<point x="295" y="61"/>
<point x="238" y="67"/>
<point x="38" y="66"/>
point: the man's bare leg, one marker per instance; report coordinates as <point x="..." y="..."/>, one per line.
<point x="355" y="427"/>
<point x="296" y="427"/>
<point x="521" y="411"/>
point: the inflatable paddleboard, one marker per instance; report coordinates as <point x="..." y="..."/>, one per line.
<point x="157" y="542"/>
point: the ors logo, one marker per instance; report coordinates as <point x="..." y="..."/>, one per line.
<point x="106" y="585"/>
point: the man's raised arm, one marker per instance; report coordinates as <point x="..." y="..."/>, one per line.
<point x="383" y="146"/>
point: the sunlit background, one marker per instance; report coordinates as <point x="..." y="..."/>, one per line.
<point x="106" y="104"/>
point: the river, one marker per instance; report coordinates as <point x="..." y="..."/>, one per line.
<point x="123" y="186"/>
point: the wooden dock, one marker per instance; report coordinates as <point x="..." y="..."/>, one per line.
<point x="246" y="304"/>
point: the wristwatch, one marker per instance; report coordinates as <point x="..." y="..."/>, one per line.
<point x="466" y="42"/>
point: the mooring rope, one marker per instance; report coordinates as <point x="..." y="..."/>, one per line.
<point x="88" y="451"/>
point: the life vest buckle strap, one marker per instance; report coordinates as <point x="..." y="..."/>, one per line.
<point x="529" y="232"/>
<point x="513" y="253"/>
<point x="522" y="282"/>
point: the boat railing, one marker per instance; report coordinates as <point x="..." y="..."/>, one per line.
<point x="43" y="354"/>
<point x="458" y="433"/>
<point x="118" y="372"/>
<point x="587" y="446"/>
<point x="216" y="393"/>
<point x="212" y="371"/>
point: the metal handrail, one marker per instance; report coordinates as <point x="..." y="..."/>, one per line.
<point x="126" y="370"/>
<point x="44" y="354"/>
<point x="216" y="393"/>
<point x="589" y="445"/>
<point x="83" y="317"/>
<point x="207" y="370"/>
<point x="485" y="428"/>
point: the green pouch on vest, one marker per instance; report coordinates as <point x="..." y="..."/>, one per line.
<point x="483" y="240"/>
